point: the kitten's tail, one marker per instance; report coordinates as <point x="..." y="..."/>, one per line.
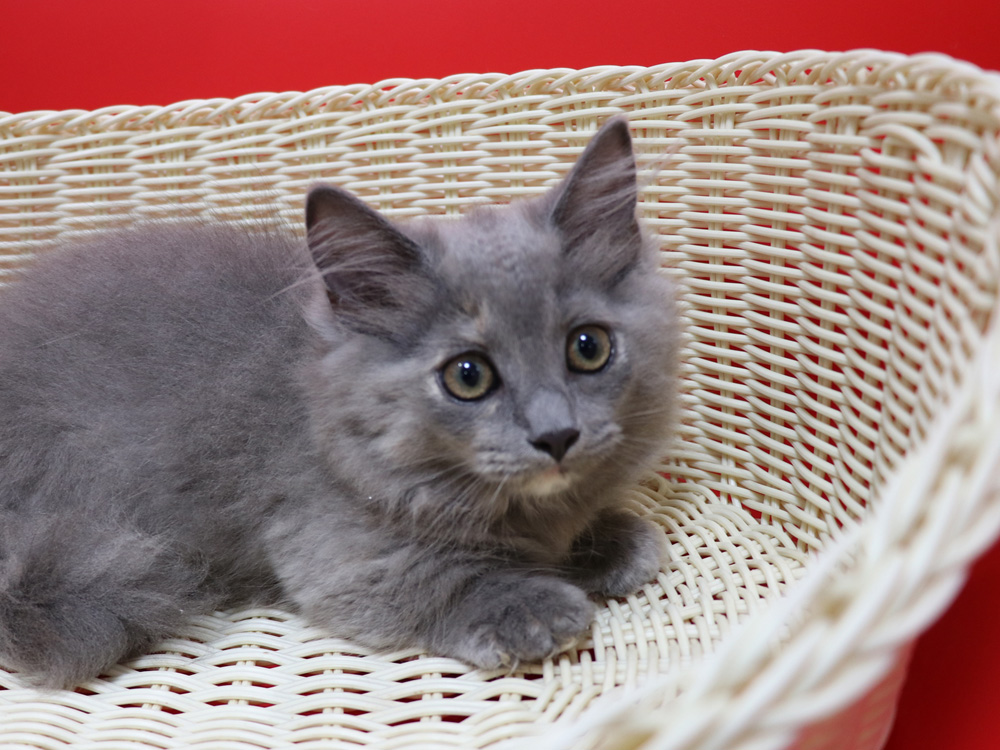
<point x="78" y="595"/>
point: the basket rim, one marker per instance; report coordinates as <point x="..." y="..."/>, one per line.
<point x="798" y="65"/>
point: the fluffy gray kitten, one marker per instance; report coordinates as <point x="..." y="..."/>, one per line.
<point x="416" y="435"/>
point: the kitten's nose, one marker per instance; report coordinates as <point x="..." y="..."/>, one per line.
<point x="557" y="442"/>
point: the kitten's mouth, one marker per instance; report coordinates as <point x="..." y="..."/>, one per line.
<point x="548" y="482"/>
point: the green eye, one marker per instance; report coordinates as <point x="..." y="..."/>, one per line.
<point x="588" y="349"/>
<point x="468" y="377"/>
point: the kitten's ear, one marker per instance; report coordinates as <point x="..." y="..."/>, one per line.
<point x="374" y="274"/>
<point x="594" y="207"/>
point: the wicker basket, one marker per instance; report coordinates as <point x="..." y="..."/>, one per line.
<point x="833" y="221"/>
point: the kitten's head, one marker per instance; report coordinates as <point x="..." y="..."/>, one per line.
<point x="521" y="357"/>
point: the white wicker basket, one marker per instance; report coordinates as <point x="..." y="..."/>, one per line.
<point x="833" y="221"/>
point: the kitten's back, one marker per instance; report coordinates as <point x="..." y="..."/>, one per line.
<point x="145" y="380"/>
<point x="134" y="290"/>
<point x="146" y="348"/>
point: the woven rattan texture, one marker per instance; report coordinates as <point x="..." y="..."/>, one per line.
<point x="832" y="222"/>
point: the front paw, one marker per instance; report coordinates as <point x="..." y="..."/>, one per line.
<point x="512" y="618"/>
<point x="617" y="554"/>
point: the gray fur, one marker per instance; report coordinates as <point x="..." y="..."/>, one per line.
<point x="192" y="416"/>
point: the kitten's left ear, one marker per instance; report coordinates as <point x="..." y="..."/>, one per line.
<point x="594" y="207"/>
<point x="374" y="274"/>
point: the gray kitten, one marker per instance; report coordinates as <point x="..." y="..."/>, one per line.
<point x="416" y="435"/>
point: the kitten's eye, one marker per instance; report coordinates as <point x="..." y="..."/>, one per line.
<point x="588" y="349"/>
<point x="469" y="376"/>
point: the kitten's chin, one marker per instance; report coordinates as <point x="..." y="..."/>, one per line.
<point x="552" y="481"/>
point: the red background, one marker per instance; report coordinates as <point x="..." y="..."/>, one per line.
<point x="61" y="54"/>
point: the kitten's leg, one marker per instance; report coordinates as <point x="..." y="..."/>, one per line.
<point x="78" y="595"/>
<point x="509" y="616"/>
<point x="392" y="593"/>
<point x="617" y="554"/>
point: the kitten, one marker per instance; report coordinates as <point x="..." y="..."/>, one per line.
<point x="416" y="435"/>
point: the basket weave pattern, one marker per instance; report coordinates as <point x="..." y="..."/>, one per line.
<point x="833" y="223"/>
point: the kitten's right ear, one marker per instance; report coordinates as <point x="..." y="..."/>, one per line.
<point x="373" y="273"/>
<point x="595" y="206"/>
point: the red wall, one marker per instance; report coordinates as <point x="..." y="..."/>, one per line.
<point x="59" y="54"/>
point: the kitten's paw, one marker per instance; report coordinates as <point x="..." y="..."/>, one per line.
<point x="512" y="619"/>
<point x="618" y="554"/>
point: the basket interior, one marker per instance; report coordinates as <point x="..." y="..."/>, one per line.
<point x="825" y="219"/>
